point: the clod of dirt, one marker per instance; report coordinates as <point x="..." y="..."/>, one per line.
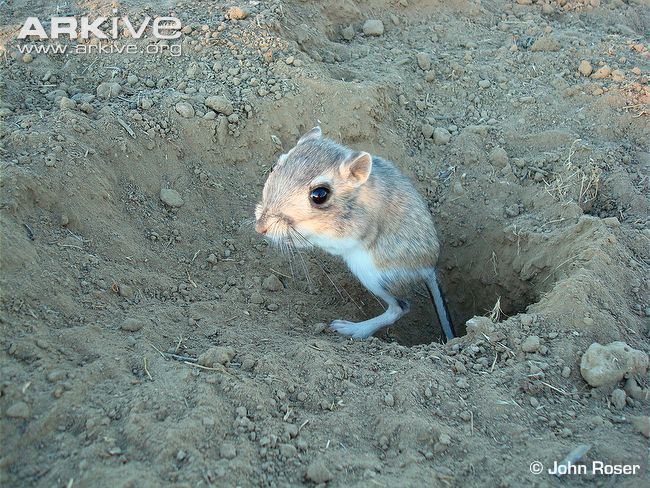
<point x="272" y="283"/>
<point x="348" y="32"/>
<point x="618" y="399"/>
<point x="108" y="89"/>
<point x="424" y="61"/>
<point x="373" y="27"/>
<point x="531" y="344"/>
<point x="633" y="390"/>
<point x="585" y="68"/>
<point x="132" y="324"/>
<point x="185" y="109"/>
<point x="219" y="104"/>
<point x="498" y="157"/>
<point x="602" y="72"/>
<point x="427" y="130"/>
<point x="227" y="451"/>
<point x="318" y="472"/>
<point x="171" y="197"/>
<point x="545" y="43"/>
<point x="607" y="365"/>
<point x="19" y="410"/>
<point x="216" y="355"/>
<point x="441" y="136"/>
<point x="237" y="13"/>
<point x="642" y="424"/>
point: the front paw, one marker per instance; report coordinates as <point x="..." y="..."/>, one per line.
<point x="347" y="328"/>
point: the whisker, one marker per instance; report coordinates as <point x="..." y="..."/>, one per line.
<point x="304" y="264"/>
<point x="330" y="278"/>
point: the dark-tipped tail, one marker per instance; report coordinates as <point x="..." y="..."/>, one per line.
<point x="439" y="303"/>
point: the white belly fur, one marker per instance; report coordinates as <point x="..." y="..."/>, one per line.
<point x="358" y="259"/>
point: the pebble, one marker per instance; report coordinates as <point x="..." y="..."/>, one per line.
<point x="185" y="109"/>
<point x="216" y="355"/>
<point x="498" y="157"/>
<point x="585" y="68"/>
<point x="484" y="83"/>
<point x="348" y="32"/>
<point x="146" y="103"/>
<point x="257" y="298"/>
<point x="219" y="104"/>
<point x="607" y="365"/>
<point x="19" y="410"/>
<point x="441" y="135"/>
<point x="171" y="197"/>
<point x="132" y="324"/>
<point x="566" y="372"/>
<point x="227" y="451"/>
<point x="272" y="283"/>
<point x="27" y="58"/>
<point x="531" y="344"/>
<point x="108" y="90"/>
<point x="67" y="104"/>
<point x="288" y="450"/>
<point x="642" y="424"/>
<point x="272" y="307"/>
<point x="462" y="383"/>
<point x="618" y="399"/>
<point x="618" y="75"/>
<point x="318" y="472"/>
<point x="602" y="72"/>
<point x="424" y="61"/>
<point x="427" y="130"/>
<point x="237" y="13"/>
<point x="373" y="27"/>
<point x="545" y="44"/>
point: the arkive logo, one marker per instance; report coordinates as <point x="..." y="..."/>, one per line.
<point x="101" y="28"/>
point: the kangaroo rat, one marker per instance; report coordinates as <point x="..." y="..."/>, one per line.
<point x="361" y="208"/>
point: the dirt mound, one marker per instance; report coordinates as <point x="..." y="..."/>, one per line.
<point x="151" y="337"/>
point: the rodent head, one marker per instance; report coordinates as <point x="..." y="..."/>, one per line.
<point x="312" y="190"/>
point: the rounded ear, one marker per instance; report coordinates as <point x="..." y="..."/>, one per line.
<point x="356" y="169"/>
<point x="315" y="133"/>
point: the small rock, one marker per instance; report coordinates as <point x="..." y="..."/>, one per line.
<point x="67" y="104"/>
<point x="318" y="472"/>
<point x="108" y="90"/>
<point x="146" y="103"/>
<point x="216" y="355"/>
<point x="19" y="410"/>
<point x="642" y="424"/>
<point x="237" y="13"/>
<point x="171" y="197"/>
<point x="373" y="27"/>
<point x="462" y="383"/>
<point x="27" y="58"/>
<point x="288" y="450"/>
<point x="566" y="372"/>
<point x="427" y="130"/>
<point x="257" y="298"/>
<point x="545" y="43"/>
<point x="219" y="104"/>
<point x="531" y="344"/>
<point x="602" y="72"/>
<point x="618" y="75"/>
<point x="132" y="324"/>
<point x="348" y="32"/>
<point x="227" y="451"/>
<point x="618" y="399"/>
<point x="185" y="109"/>
<point x="272" y="283"/>
<point x="272" y="307"/>
<point x="441" y="135"/>
<point x="585" y="68"/>
<point x="484" y="83"/>
<point x="498" y="157"/>
<point x="424" y="61"/>
<point x="607" y="365"/>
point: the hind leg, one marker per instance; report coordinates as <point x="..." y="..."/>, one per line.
<point x="362" y="330"/>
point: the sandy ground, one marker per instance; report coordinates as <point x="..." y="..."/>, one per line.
<point x="150" y="337"/>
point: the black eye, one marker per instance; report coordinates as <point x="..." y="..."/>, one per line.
<point x="319" y="195"/>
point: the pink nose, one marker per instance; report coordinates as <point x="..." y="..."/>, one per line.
<point x="261" y="227"/>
